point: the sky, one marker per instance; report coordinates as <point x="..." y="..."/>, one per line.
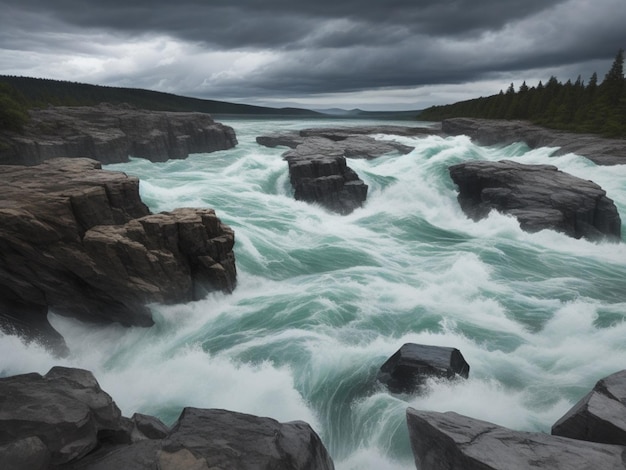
<point x="318" y="54"/>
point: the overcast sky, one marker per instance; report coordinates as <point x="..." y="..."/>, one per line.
<point x="371" y="54"/>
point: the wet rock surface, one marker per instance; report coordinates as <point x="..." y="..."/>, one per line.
<point x="539" y="196"/>
<point x="78" y="240"/>
<point x="110" y="134"/>
<point x="601" y="151"/>
<point x="317" y="161"/>
<point x="64" y="420"/>
<point x="413" y="363"/>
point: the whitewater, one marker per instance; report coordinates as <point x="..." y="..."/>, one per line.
<point x="323" y="300"/>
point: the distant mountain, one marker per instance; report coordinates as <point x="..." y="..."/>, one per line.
<point x="41" y="92"/>
<point x="360" y="114"/>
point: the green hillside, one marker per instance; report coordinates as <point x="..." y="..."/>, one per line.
<point x="40" y="92"/>
<point x="598" y="108"/>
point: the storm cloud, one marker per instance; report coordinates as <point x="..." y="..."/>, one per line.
<point x="372" y="54"/>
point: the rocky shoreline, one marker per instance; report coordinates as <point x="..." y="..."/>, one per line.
<point x="112" y="133"/>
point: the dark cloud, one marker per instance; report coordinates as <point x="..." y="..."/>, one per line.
<point x="287" y="48"/>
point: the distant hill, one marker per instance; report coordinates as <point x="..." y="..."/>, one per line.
<point x="360" y="114"/>
<point x="42" y="92"/>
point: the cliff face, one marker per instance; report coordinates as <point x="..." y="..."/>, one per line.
<point x="79" y="240"/>
<point x="110" y="134"/>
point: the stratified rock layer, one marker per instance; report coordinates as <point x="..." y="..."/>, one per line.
<point x="79" y="240"/>
<point x="449" y="441"/>
<point x="413" y="363"/>
<point x="600" y="416"/>
<point x="317" y="162"/>
<point x="65" y="420"/>
<point x="600" y="150"/>
<point x="539" y="196"/>
<point x="110" y="134"/>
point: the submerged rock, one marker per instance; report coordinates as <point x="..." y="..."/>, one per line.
<point x="412" y="364"/>
<point x="600" y="416"/>
<point x="78" y="240"/>
<point x="65" y="420"/>
<point x="449" y="441"/>
<point x="539" y="196"/>
<point x="318" y="169"/>
<point x="110" y="134"/>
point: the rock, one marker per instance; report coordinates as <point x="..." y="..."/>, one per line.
<point x="317" y="161"/>
<point x="225" y="439"/>
<point x="29" y="453"/>
<point x="412" y="364"/>
<point x="449" y="441"/>
<point x="110" y="134"/>
<point x="149" y="426"/>
<point x="600" y="416"/>
<point x="78" y="240"/>
<point x="65" y="409"/>
<point x="600" y="150"/>
<point x="539" y="196"/>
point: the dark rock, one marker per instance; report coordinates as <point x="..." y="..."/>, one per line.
<point x="539" y="196"/>
<point x="447" y="441"/>
<point x="29" y="453"/>
<point x="317" y="162"/>
<point x="65" y="409"/>
<point x="600" y="150"/>
<point x="412" y="364"/>
<point x="79" y="240"/>
<point x="600" y="416"/>
<point x="149" y="426"/>
<point x="110" y="134"/>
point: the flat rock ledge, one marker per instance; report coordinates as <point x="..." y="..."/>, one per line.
<point x="110" y="134"/>
<point x="600" y="150"/>
<point x="64" y="420"/>
<point x="317" y="164"/>
<point x="592" y="435"/>
<point x="539" y="196"/>
<point x="78" y="240"/>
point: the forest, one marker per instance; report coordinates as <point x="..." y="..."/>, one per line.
<point x="598" y="108"/>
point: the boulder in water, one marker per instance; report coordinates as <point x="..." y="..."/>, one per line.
<point x="413" y="363"/>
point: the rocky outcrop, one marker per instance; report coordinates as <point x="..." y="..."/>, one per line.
<point x="78" y="240"/>
<point x="317" y="161"/>
<point x="601" y="151"/>
<point x="110" y="134"/>
<point x="65" y="421"/>
<point x="449" y="441"/>
<point x="539" y="196"/>
<point x="600" y="416"/>
<point x="413" y="363"/>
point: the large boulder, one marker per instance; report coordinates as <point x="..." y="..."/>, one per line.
<point x="539" y="196"/>
<point x="317" y="164"/>
<point x="63" y="420"/>
<point x="600" y="416"/>
<point x="449" y="441"/>
<point x="110" y="134"/>
<point x="600" y="150"/>
<point x="65" y="410"/>
<point x="413" y="363"/>
<point x="78" y="240"/>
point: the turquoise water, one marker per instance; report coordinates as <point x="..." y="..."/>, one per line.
<point x="322" y="301"/>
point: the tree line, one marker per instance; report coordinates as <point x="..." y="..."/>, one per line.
<point x="598" y="108"/>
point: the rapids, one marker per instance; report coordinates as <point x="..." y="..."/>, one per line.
<point x="323" y="300"/>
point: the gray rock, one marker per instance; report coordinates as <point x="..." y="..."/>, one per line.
<point x="65" y="409"/>
<point x="412" y="364"/>
<point x="149" y="426"/>
<point x="449" y="441"/>
<point x="600" y="150"/>
<point x="600" y="416"/>
<point x="539" y="196"/>
<point x="110" y="134"/>
<point x="29" y="453"/>
<point x="77" y="239"/>
<point x="317" y="161"/>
